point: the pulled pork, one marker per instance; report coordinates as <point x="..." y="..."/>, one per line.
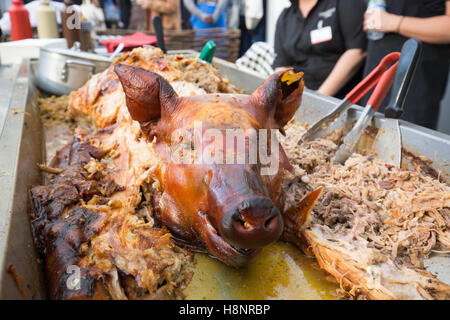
<point x="373" y="224"/>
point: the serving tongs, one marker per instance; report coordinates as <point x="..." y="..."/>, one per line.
<point x="350" y="142"/>
<point x="388" y="142"/>
<point x="325" y="125"/>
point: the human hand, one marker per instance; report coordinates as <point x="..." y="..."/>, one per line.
<point x="209" y="19"/>
<point x="380" y="20"/>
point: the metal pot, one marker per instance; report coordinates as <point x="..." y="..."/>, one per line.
<point x="61" y="71"/>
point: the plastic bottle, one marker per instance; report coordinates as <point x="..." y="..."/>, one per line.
<point x="46" y="21"/>
<point x="376" y="5"/>
<point x="20" y="21"/>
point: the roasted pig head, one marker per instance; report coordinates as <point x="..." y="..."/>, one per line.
<point x="220" y="165"/>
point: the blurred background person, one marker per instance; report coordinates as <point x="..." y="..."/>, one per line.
<point x="207" y="14"/>
<point x="252" y="23"/>
<point x="112" y="13"/>
<point x="233" y="10"/>
<point x="185" y="17"/>
<point x="93" y="11"/>
<point x="125" y="12"/>
<point x="325" y="40"/>
<point x="168" y="10"/>
<point x="137" y="18"/>
<point x="426" y="20"/>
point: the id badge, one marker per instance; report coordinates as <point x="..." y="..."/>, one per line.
<point x="321" y="35"/>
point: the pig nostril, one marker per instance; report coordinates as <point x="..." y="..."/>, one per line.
<point x="254" y="223"/>
<point x="269" y="222"/>
<point x="244" y="224"/>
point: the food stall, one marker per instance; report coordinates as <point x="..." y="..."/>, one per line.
<point x="281" y="271"/>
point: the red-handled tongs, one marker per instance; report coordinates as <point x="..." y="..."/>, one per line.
<point x="382" y="76"/>
<point x="351" y="139"/>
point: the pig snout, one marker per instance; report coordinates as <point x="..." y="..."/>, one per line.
<point x="253" y="223"/>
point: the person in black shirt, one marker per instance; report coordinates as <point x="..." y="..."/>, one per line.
<point x="125" y="12"/>
<point x="426" y="20"/>
<point x="325" y="40"/>
<point x="257" y="34"/>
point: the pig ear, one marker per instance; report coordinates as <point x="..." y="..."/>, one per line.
<point x="148" y="94"/>
<point x="281" y="95"/>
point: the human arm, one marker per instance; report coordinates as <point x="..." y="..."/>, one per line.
<point x="435" y="30"/>
<point x="350" y="18"/>
<point x="220" y="7"/>
<point x="208" y="18"/>
<point x="193" y="9"/>
<point x="345" y="68"/>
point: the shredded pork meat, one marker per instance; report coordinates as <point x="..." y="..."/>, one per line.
<point x="373" y="224"/>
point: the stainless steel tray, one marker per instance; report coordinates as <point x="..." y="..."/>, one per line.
<point x="21" y="148"/>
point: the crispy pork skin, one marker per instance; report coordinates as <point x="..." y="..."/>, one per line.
<point x="91" y="218"/>
<point x="227" y="210"/>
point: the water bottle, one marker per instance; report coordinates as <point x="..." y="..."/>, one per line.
<point x="376" y="5"/>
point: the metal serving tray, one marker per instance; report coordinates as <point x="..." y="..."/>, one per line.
<point x="21" y="148"/>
